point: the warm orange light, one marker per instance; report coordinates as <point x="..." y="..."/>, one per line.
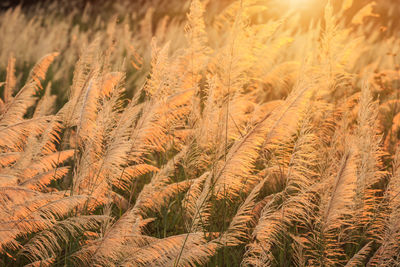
<point x="301" y="4"/>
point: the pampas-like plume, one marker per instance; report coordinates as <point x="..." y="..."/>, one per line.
<point x="163" y="252"/>
<point x="277" y="125"/>
<point x="47" y="244"/>
<point x="389" y="250"/>
<point x="128" y="228"/>
<point x="40" y="181"/>
<point x="368" y="143"/>
<point x="14" y="111"/>
<point x="34" y="215"/>
<point x="343" y="193"/>
<point x="159" y="83"/>
<point x="193" y="194"/>
<point x="84" y="70"/>
<point x="150" y="132"/>
<point x="196" y="55"/>
<point x="14" y="136"/>
<point x="359" y="258"/>
<point x="369" y="169"/>
<point x="38" y="72"/>
<point x="297" y="198"/>
<point x="46" y="104"/>
<point x="237" y="229"/>
<point x="10" y="81"/>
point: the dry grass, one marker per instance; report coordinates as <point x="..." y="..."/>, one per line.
<point x="221" y="139"/>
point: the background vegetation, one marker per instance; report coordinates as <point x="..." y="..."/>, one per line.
<point x="201" y="133"/>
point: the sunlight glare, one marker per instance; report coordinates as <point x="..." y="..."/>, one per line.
<point x="301" y="4"/>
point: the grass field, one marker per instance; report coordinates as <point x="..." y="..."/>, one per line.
<point x="200" y="133"/>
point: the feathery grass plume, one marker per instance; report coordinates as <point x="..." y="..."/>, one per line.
<point x="389" y="251"/>
<point x="38" y="72"/>
<point x="227" y="17"/>
<point x="83" y="72"/>
<point x="301" y="168"/>
<point x="230" y="67"/>
<point x="128" y="229"/>
<point x="369" y="169"/>
<point x="369" y="142"/>
<point x="150" y="130"/>
<point x="163" y="252"/>
<point x="120" y="138"/>
<point x="158" y="197"/>
<point x="299" y="257"/>
<point x="322" y="212"/>
<point x="237" y="168"/>
<point x="297" y="199"/>
<point x="38" y="154"/>
<point x="16" y="194"/>
<point x="279" y="81"/>
<point x="199" y="254"/>
<point x="160" y="82"/>
<point x="336" y="206"/>
<point x="238" y="227"/>
<point x="44" y="164"/>
<point x="208" y="131"/>
<point x="266" y="233"/>
<point x="146" y="25"/>
<point x="192" y="195"/>
<point x="88" y="112"/>
<point x="46" y="104"/>
<point x="283" y="119"/>
<point x="13" y="137"/>
<point x="196" y="55"/>
<point x="234" y="59"/>
<point x="14" y="129"/>
<point x="10" y="81"/>
<point x="14" y="111"/>
<point x="342" y="194"/>
<point x="359" y="258"/>
<point x="389" y="120"/>
<point x="200" y="219"/>
<point x="334" y="218"/>
<point x="37" y="214"/>
<point x="160" y="184"/>
<point x="49" y="243"/>
<point x="48" y="141"/>
<point x="40" y="181"/>
<point x="105" y="150"/>
<point x="267" y="73"/>
<point x="41" y="263"/>
<point x="334" y="54"/>
<point x="273" y="127"/>
<point x="133" y="172"/>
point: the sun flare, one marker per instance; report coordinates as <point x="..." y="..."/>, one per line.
<point x="301" y="4"/>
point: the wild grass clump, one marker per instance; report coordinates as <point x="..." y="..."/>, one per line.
<point x="227" y="139"/>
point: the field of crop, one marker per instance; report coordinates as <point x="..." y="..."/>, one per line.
<point x="200" y="133"/>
